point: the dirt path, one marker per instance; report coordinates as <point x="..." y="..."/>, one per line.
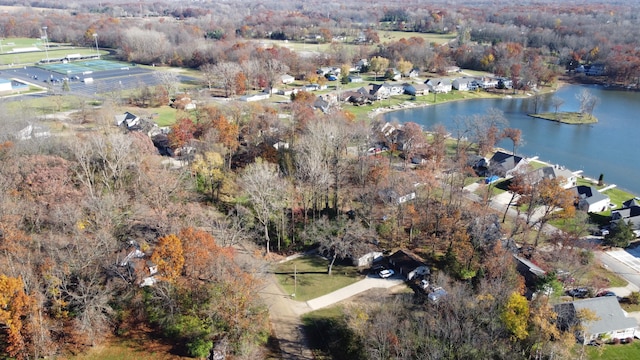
<point x="284" y="314"/>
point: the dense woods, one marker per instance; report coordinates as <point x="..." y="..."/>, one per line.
<point x="101" y="237"/>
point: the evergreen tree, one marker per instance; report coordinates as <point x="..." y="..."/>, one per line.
<point x="621" y="235"/>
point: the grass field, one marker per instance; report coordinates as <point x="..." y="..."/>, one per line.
<point x="385" y="37"/>
<point x="312" y="279"/>
<point x="10" y="52"/>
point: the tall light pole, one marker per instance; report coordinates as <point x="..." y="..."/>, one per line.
<point x="45" y="43"/>
<point x="95" y="36"/>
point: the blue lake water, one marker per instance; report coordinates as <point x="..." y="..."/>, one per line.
<point x="608" y="147"/>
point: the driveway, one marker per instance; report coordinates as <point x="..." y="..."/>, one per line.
<point x="370" y="282"/>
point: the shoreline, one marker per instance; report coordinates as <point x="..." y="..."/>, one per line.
<point x="374" y="113"/>
<point x="563" y="81"/>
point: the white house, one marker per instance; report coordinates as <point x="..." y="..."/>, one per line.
<point x="590" y="199"/>
<point x="128" y="119"/>
<point x="287" y="79"/>
<point x="464" y="84"/>
<point x="367" y="259"/>
<point x="439" y="85"/>
<point x="610" y="323"/>
<point x="566" y="177"/>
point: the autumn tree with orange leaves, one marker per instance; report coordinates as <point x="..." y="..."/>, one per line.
<point x="168" y="255"/>
<point x="15" y="307"/>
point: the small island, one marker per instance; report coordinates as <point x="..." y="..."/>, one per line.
<point x="567" y="117"/>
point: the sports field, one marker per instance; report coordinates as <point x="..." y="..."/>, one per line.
<point x="84" y="67"/>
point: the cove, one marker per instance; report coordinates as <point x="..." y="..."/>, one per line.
<point x="609" y="147"/>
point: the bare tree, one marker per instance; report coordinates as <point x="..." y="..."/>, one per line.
<point x="208" y="74"/>
<point x="226" y="73"/>
<point x="169" y="80"/>
<point x="339" y="239"/>
<point x="263" y="185"/>
<point x="273" y="69"/>
<point x="588" y="102"/>
<point x="557" y="102"/>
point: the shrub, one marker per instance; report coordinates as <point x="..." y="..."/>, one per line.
<point x="634" y="298"/>
<point x="628" y="340"/>
<point x="616" y="341"/>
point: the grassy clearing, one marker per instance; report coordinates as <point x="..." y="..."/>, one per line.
<point x="121" y="349"/>
<point x="330" y="336"/>
<point x="573" y="118"/>
<point x="311" y="278"/>
<point x="615" y="352"/>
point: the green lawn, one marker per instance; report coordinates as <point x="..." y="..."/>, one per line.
<point x="329" y="335"/>
<point x="34" y="57"/>
<point x="311" y="279"/>
<point x="567" y="117"/>
<point x="615" y="352"/>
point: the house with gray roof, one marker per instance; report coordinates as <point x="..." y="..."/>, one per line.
<point x="464" y="83"/>
<point x="439" y="85"/>
<point x="415" y="89"/>
<point x="611" y="321"/>
<point x="567" y="178"/>
<point x="589" y="199"/>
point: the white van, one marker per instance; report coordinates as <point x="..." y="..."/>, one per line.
<point x="87" y="80"/>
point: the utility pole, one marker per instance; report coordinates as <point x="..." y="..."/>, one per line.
<point x="95" y="36"/>
<point x="46" y="51"/>
<point x="295" y="280"/>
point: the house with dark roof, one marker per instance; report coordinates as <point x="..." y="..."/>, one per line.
<point x="611" y="321"/>
<point x="127" y="119"/>
<point x="589" y="199"/>
<point x="501" y="163"/>
<point x="630" y="212"/>
<point x="409" y="264"/>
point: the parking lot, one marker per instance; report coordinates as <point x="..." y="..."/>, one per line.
<point x="108" y="77"/>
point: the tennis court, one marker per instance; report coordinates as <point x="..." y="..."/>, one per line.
<point x="84" y="67"/>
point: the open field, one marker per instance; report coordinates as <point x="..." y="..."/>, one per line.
<point x="307" y="277"/>
<point x="26" y="51"/>
<point x="385" y="37"/>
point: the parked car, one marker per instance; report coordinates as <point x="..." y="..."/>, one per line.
<point x="386" y="273"/>
<point x="437" y="294"/>
<point x="606" y="293"/>
<point x="578" y="292"/>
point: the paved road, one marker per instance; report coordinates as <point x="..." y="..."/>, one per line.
<point x="617" y="263"/>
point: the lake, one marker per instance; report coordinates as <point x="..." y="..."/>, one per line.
<point x="607" y="147"/>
